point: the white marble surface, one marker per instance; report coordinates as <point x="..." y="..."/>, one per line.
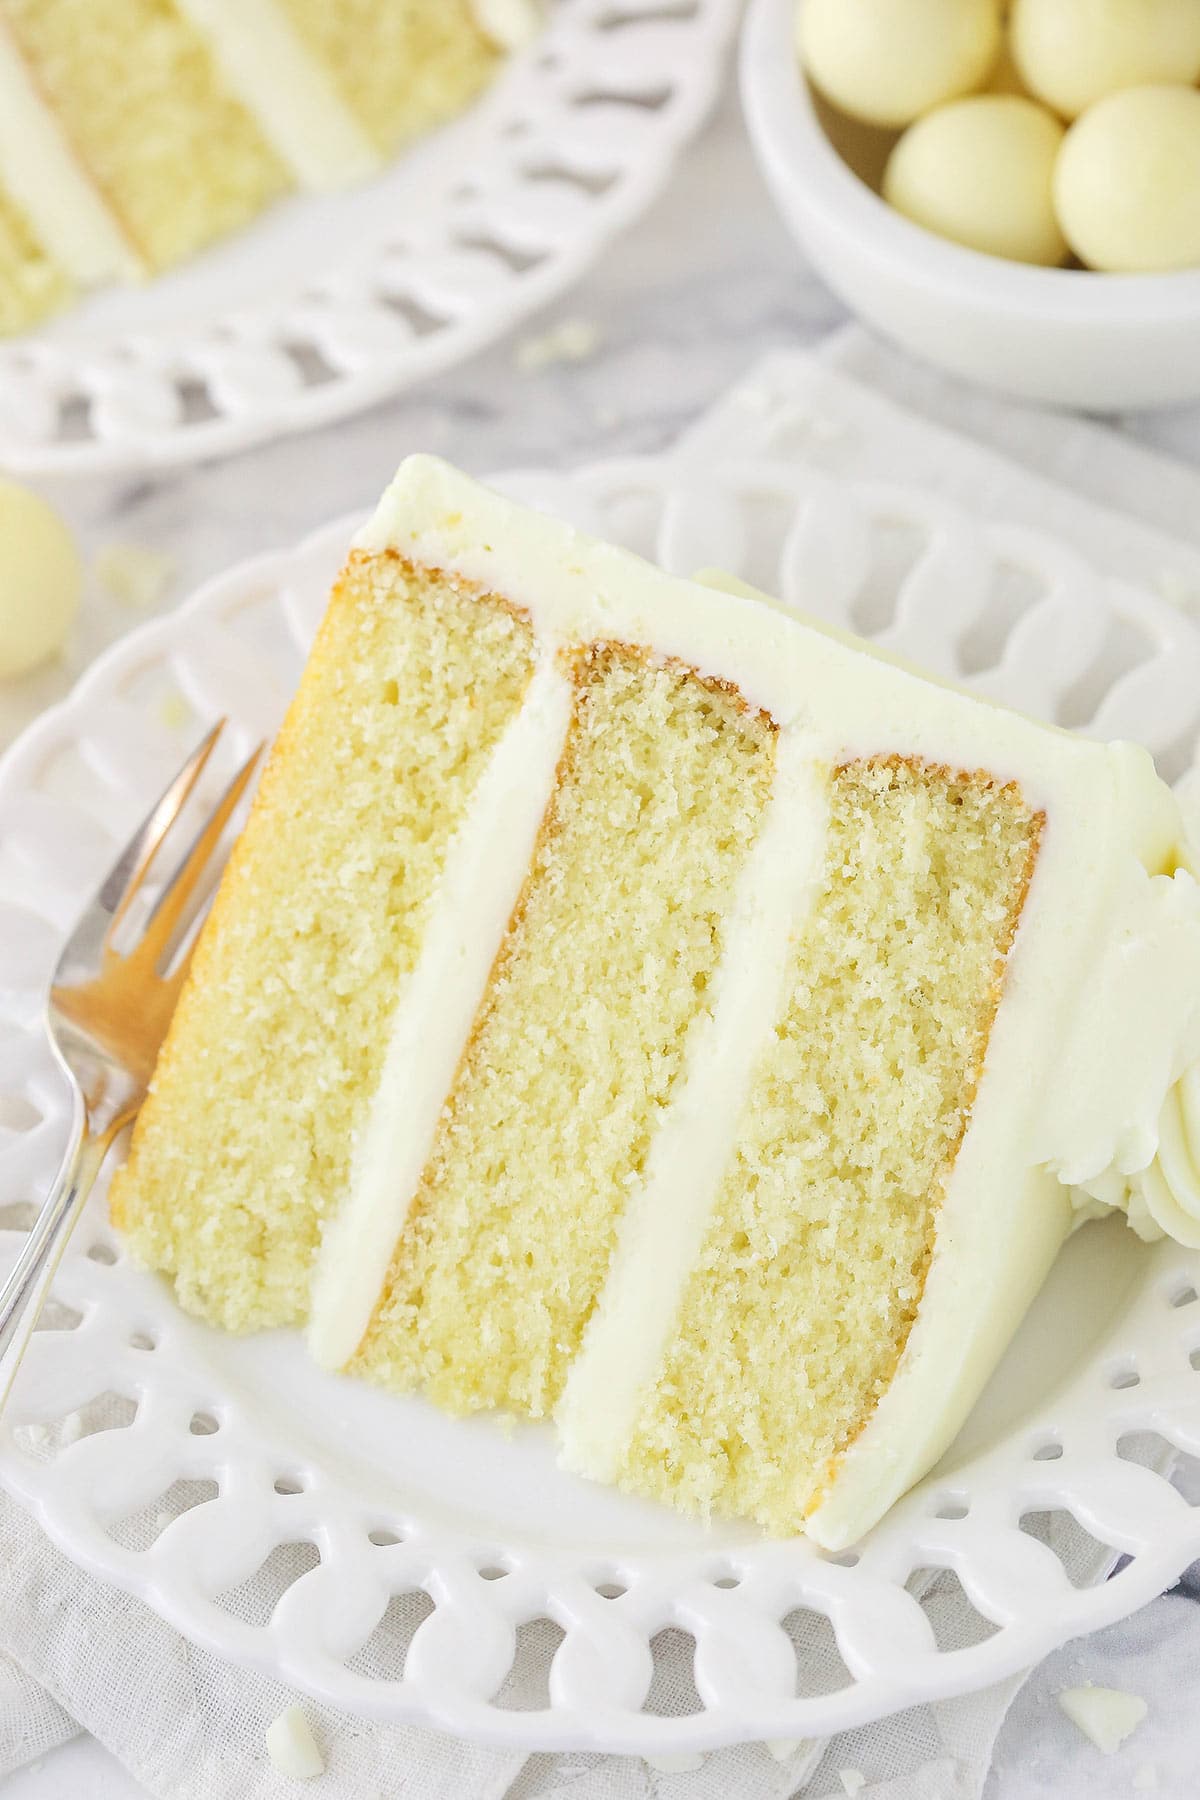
<point x="683" y="306"/>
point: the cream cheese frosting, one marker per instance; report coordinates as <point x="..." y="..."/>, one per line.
<point x="1109" y="938"/>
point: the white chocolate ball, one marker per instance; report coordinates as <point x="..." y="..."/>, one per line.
<point x="1072" y="53"/>
<point x="888" y="61"/>
<point x="1127" y="184"/>
<point x="981" y="171"/>
<point x="40" y="580"/>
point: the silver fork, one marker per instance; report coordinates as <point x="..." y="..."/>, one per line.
<point x="107" y="1013"/>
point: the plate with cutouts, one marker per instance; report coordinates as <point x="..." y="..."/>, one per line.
<point x="402" y="1565"/>
<point x="329" y="304"/>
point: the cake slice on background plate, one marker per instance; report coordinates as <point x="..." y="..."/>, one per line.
<point x="633" y="1003"/>
<point x="134" y="133"/>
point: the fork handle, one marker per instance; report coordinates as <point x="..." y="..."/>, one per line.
<point x="24" y="1293"/>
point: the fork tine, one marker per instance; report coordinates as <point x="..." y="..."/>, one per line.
<point x="174" y="898"/>
<point x="129" y="871"/>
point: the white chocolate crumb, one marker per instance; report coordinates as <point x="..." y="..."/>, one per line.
<point x="174" y="712"/>
<point x="853" y="1780"/>
<point x="1180" y="591"/>
<point x="162" y="1519"/>
<point x="40" y="580"/>
<point x="1104" y="1715"/>
<point x="683" y="1763"/>
<point x="292" y="1747"/>
<point x="1145" y="1778"/>
<point x="782" y="1748"/>
<point x="511" y="24"/>
<point x="134" y="574"/>
<point x="575" y="340"/>
<point x="70" y="1429"/>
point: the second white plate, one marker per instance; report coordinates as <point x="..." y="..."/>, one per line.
<point x="329" y="304"/>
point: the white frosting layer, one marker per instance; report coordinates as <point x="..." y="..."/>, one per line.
<point x="41" y="172"/>
<point x="481" y="882"/>
<point x="666" y="1220"/>
<point x="1052" y="1099"/>
<point x="294" y="102"/>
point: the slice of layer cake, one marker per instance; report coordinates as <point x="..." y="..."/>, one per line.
<point x="133" y="133"/>
<point x="175" y="156"/>
<point x="632" y="1003"/>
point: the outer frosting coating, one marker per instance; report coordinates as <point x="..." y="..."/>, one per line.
<point x="1107" y="952"/>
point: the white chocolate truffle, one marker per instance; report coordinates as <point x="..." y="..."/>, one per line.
<point x="981" y="171"/>
<point x="1072" y="53"/>
<point x="1127" y="183"/>
<point x="40" y="580"/>
<point x="888" y="61"/>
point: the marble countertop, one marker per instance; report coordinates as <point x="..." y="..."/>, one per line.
<point x="685" y="304"/>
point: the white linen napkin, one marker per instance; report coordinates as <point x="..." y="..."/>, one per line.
<point x="188" y="1727"/>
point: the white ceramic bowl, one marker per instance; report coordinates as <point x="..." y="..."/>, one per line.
<point x="1061" y="336"/>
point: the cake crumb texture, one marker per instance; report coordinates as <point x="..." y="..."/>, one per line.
<point x="794" y="1318"/>
<point x="401" y="66"/>
<point x="278" y="1041"/>
<point x="580" y="1041"/>
<point x="177" y="157"/>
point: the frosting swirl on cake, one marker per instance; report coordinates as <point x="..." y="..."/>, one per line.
<point x="1127" y="1117"/>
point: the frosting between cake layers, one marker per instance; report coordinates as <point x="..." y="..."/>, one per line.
<point x="666" y="1219"/>
<point x="292" y="99"/>
<point x="481" y="882"/>
<point x="40" y="170"/>
<point x="1040" y="1118"/>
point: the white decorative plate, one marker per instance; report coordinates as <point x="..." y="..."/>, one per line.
<point x="329" y="304"/>
<point x="402" y="1565"/>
